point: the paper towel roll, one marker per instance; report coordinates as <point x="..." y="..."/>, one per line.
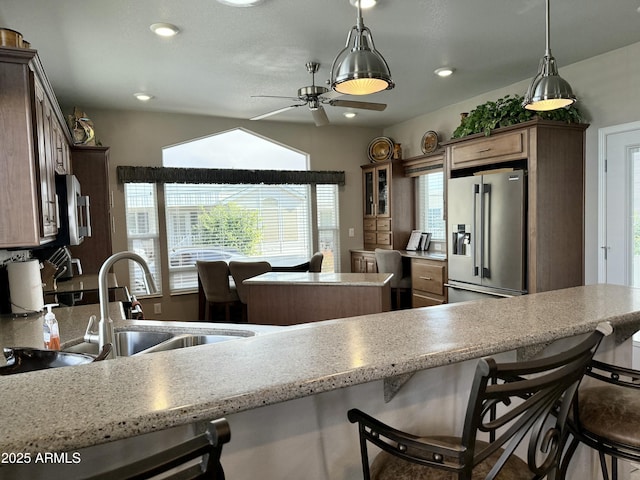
<point x="25" y="286"/>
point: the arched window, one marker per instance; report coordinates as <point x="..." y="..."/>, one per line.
<point x="282" y="223"/>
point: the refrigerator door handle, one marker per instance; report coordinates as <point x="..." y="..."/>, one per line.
<point x="485" y="215"/>
<point x="475" y="238"/>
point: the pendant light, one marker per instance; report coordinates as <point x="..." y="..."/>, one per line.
<point x="548" y="90"/>
<point x="359" y="69"/>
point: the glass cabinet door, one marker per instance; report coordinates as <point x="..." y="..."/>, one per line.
<point x="368" y="190"/>
<point x="382" y="190"/>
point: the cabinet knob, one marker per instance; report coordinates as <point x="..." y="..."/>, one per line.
<point x="426" y="278"/>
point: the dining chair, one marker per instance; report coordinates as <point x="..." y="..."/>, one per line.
<point x="508" y="403"/>
<point x="390" y="261"/>
<point x="606" y="417"/>
<point x="197" y="459"/>
<point x="240" y="271"/>
<point x="213" y="277"/>
<point x="315" y="263"/>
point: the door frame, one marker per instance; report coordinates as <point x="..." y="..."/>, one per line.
<point x="603" y="134"/>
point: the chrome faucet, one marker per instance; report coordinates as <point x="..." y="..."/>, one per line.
<point x="105" y="333"/>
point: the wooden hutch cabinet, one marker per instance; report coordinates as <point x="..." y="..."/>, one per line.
<point x="387" y="205"/>
<point x="34" y="139"/>
<point x="552" y="154"/>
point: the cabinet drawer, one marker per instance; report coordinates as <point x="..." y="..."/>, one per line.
<point x="420" y="300"/>
<point x="369" y="237"/>
<point x="508" y="146"/>
<point x="383" y="225"/>
<point x="383" y="238"/>
<point x="369" y="224"/>
<point x="427" y="277"/>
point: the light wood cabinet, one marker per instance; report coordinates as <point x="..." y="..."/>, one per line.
<point x="29" y="119"/>
<point x="91" y="167"/>
<point x="552" y="154"/>
<point x="387" y="206"/>
<point x="427" y="282"/>
<point x="363" y="262"/>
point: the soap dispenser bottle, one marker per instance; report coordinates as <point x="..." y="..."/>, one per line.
<point x="50" y="329"/>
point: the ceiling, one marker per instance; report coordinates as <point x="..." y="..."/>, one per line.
<point x="98" y="53"/>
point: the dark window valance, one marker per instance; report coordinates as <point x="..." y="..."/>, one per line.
<point x="227" y="176"/>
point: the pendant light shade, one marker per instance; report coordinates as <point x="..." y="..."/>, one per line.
<point x="359" y="69"/>
<point x="548" y="90"/>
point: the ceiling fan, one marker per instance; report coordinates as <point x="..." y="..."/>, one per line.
<point x="315" y="96"/>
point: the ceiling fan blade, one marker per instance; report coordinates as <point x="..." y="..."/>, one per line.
<point x="320" y="116"/>
<point x="275" y="112"/>
<point x="331" y="94"/>
<point x="362" y="105"/>
<point x="295" y="99"/>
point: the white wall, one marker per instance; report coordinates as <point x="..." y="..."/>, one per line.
<point x="608" y="94"/>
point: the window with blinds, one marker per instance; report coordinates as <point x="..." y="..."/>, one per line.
<point x="143" y="233"/>
<point x="281" y="223"/>
<point x="235" y="222"/>
<point x="430" y="204"/>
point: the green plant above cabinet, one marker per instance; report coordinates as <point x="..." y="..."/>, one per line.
<point x="507" y="111"/>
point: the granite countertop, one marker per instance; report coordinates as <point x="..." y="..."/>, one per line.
<point x="115" y="399"/>
<point x="307" y="278"/>
<point x="82" y="283"/>
<point x="26" y="331"/>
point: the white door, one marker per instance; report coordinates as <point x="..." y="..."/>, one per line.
<point x="619" y="257"/>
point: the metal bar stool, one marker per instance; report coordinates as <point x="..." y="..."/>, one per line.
<point x="606" y="416"/>
<point x="509" y="402"/>
<point x="179" y="462"/>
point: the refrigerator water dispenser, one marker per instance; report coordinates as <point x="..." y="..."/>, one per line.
<point x="461" y="239"/>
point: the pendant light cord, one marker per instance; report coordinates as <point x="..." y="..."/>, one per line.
<point x="548" y="39"/>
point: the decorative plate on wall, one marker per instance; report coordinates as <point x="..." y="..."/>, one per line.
<point x="380" y="149"/>
<point x="430" y="142"/>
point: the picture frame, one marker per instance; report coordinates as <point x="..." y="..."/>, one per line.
<point x="425" y="241"/>
<point x="414" y="240"/>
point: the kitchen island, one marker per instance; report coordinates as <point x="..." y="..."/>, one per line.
<point x="286" y="393"/>
<point x="289" y="298"/>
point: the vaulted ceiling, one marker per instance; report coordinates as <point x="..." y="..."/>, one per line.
<point x="98" y="53"/>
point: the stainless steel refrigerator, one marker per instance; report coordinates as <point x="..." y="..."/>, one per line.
<point x="487" y="243"/>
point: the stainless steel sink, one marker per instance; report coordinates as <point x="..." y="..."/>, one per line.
<point x="187" y="340"/>
<point x="128" y="343"/>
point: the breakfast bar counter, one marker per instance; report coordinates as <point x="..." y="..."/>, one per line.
<point x="286" y="393"/>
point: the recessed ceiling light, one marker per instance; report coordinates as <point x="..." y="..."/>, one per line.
<point x="363" y="3"/>
<point x="444" y="71"/>
<point x="143" y="97"/>
<point x="241" y="3"/>
<point x="164" y="29"/>
<point x="349" y="114"/>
